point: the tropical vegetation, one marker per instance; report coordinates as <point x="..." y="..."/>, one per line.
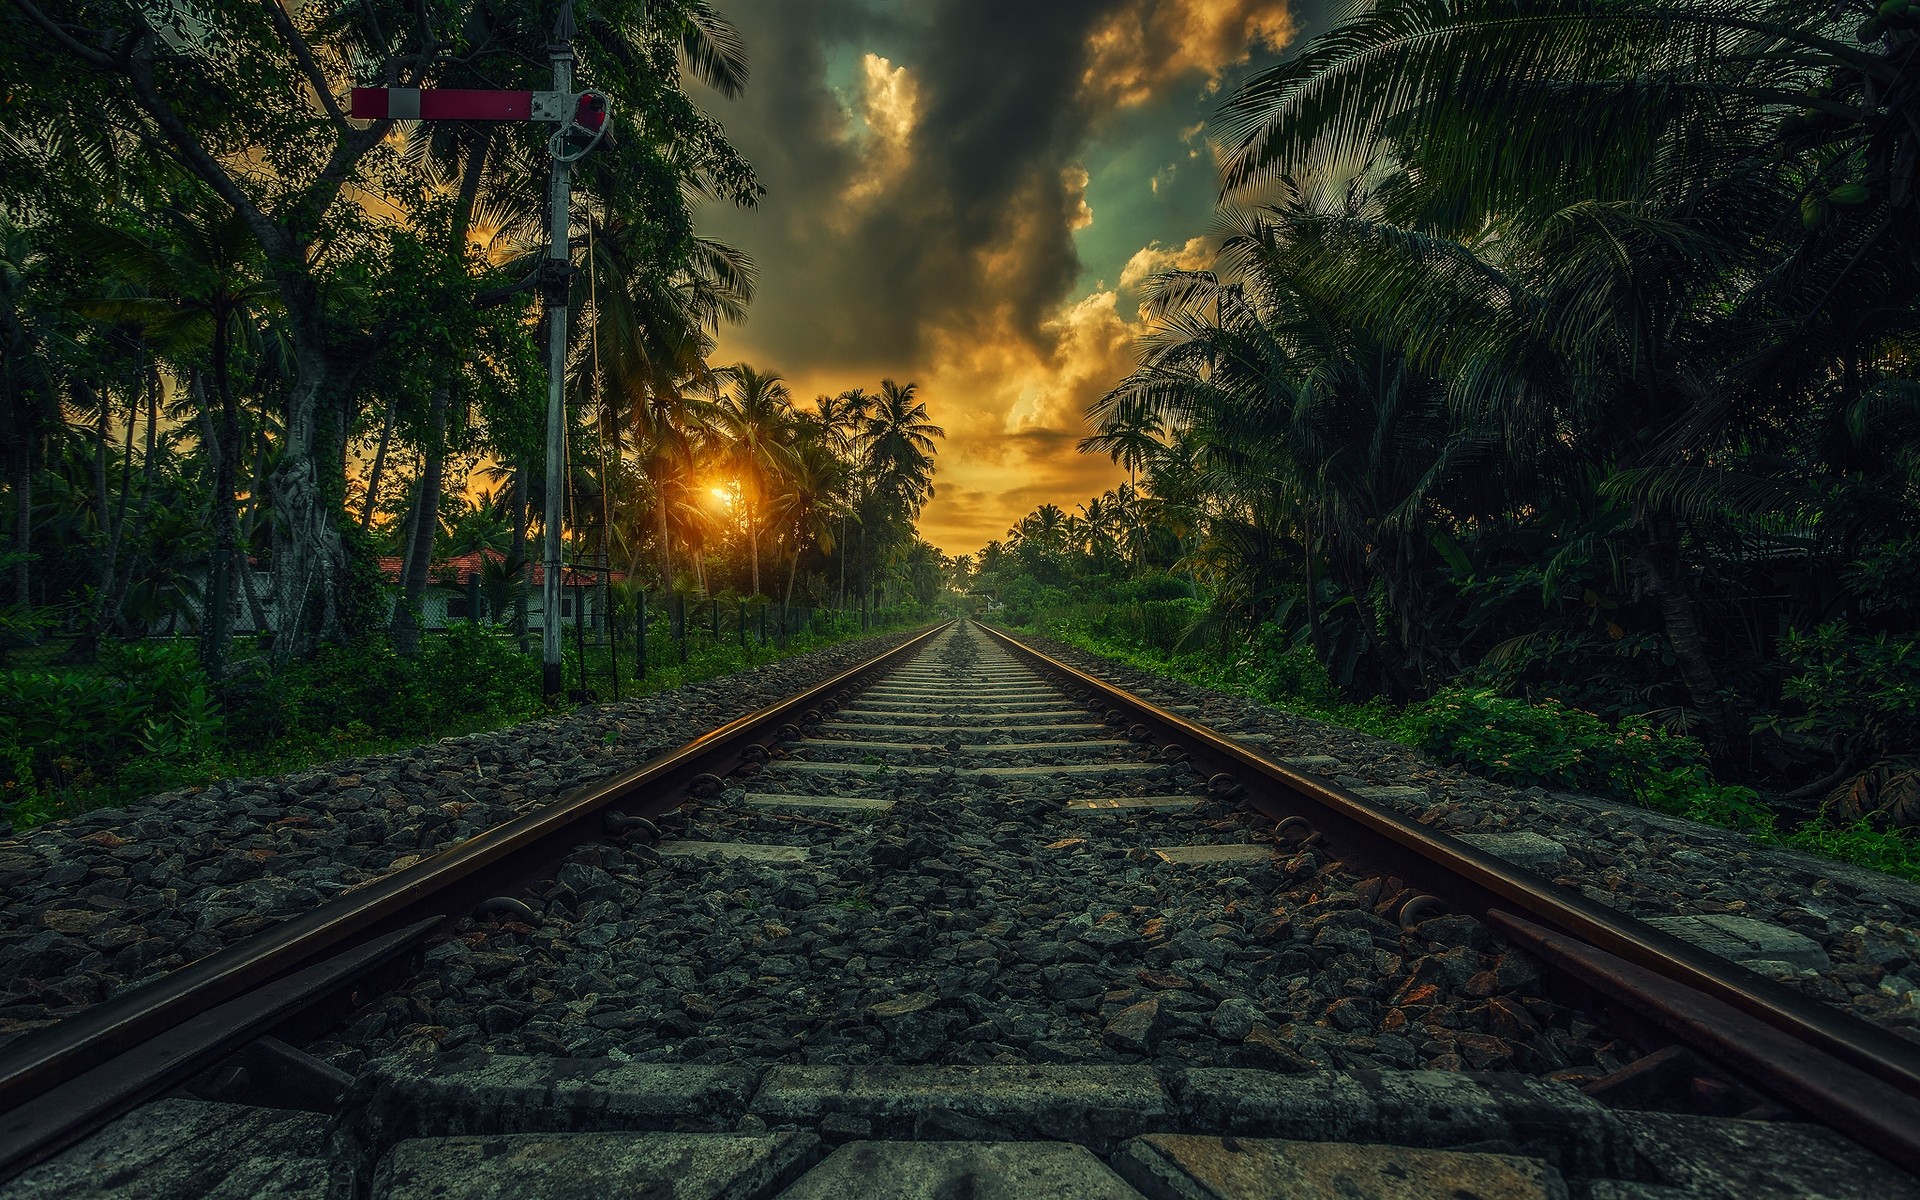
<point x="266" y="367"/>
<point x="1556" y="366"/>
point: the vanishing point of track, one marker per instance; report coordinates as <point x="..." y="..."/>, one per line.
<point x="966" y="704"/>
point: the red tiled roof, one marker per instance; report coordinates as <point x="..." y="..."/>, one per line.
<point x="460" y="566"/>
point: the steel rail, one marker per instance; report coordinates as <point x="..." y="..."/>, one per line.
<point x="1842" y="1047"/>
<point x="444" y="887"/>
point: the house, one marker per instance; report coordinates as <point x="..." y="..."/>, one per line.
<point x="456" y="587"/>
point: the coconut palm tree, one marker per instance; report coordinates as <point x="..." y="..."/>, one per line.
<point x="811" y="500"/>
<point x="753" y="418"/>
<point x="201" y="288"/>
<point x="898" y="447"/>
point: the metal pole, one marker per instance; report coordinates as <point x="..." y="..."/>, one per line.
<point x="559" y="265"/>
<point x="613" y="634"/>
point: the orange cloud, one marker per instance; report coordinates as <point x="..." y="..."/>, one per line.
<point x="1153" y="258"/>
<point x="1015" y="412"/>
<point x="1145" y="46"/>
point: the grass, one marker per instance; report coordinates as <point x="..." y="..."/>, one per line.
<point x="79" y="744"/>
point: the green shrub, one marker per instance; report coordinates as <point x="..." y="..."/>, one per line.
<point x="1546" y="743"/>
<point x="1865" y="842"/>
<point x="141" y="713"/>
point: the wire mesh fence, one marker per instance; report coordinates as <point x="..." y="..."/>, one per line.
<point x="89" y="719"/>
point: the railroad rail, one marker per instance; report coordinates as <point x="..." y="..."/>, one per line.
<point x="1818" y="1061"/>
<point x="58" y="1085"/>
<point x="239" y="1007"/>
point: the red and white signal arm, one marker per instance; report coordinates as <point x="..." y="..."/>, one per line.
<point x="474" y="104"/>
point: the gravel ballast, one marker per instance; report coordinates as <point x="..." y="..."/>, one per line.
<point x="92" y="905"/>
<point x="1645" y="864"/>
<point x="978" y="920"/>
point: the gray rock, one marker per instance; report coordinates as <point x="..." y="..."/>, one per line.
<point x="1432" y="1109"/>
<point x="430" y="1096"/>
<point x="1191" y="1167"/>
<point x="1722" y="1159"/>
<point x="1235" y="1018"/>
<point x="1093" y="1104"/>
<point x="1135" y="1028"/>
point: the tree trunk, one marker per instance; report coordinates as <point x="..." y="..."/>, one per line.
<point x="123" y="564"/>
<point x="517" y="553"/>
<point x="1662" y="577"/>
<point x="242" y="564"/>
<point x="1314" y="631"/>
<point x="20" y="473"/>
<point x="104" y="571"/>
<point x="379" y="465"/>
<point x="753" y="543"/>
<point x="426" y="524"/>
<point x="793" y="567"/>
<point x="309" y="559"/>
<point x="666" y="540"/>
<point x="219" y="604"/>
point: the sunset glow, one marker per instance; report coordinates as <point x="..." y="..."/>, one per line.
<point x="1013" y="299"/>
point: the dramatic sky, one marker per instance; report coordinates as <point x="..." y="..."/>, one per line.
<point x="964" y="193"/>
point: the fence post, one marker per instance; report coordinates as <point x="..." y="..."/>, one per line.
<point x="473" y="598"/>
<point x="640" y="637"/>
<point x="613" y="636"/>
<point x="743" y="624"/>
<point x="680" y="625"/>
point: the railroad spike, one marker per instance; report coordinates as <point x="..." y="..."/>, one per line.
<point x="1296" y="829"/>
<point x="1418" y="908"/>
<point x="1223" y="786"/>
<point x="519" y="910"/>
<point x="618" y="822"/>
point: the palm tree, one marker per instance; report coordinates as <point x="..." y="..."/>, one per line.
<point x="842" y="418"/>
<point x="810" y="501"/>
<point x="202" y="287"/>
<point x="29" y="398"/>
<point x="898" y="452"/>
<point x="1651" y="303"/>
<point x="753" y="418"/>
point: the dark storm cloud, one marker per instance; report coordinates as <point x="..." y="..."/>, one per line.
<point x="997" y="115"/>
<point x="927" y="169"/>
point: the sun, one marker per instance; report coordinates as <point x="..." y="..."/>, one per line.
<point x="725" y="494"/>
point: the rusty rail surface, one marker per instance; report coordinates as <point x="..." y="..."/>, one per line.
<point x="59" y="1084"/>
<point x="1817" y="1060"/>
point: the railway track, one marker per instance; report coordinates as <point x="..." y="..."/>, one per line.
<point x="964" y="912"/>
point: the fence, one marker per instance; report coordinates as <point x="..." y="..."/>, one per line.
<point x="622" y="643"/>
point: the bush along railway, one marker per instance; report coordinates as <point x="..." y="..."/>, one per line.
<point x="963" y="920"/>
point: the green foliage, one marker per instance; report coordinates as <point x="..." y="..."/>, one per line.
<point x="1858" y="699"/>
<point x="1864" y="842"/>
<point x="470" y="676"/>
<point x="144" y="713"/>
<point x="1523" y="743"/>
<point x="1545" y="742"/>
<point x="148" y="720"/>
<point x="1848" y="686"/>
